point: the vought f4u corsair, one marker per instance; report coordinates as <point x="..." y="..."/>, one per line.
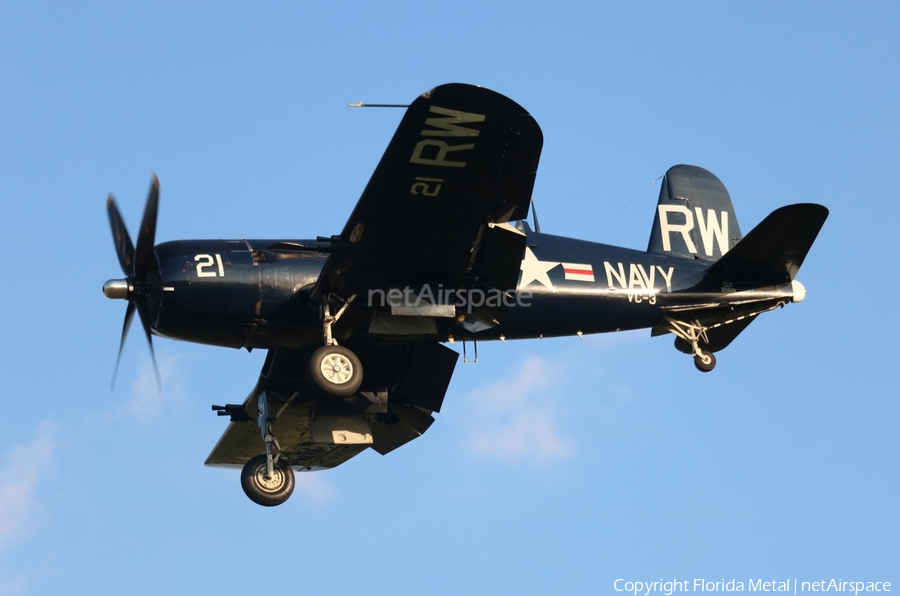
<point x="437" y="251"/>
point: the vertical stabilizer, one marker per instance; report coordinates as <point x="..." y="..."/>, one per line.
<point x="694" y="216"/>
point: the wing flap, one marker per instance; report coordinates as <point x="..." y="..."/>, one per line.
<point x="403" y="424"/>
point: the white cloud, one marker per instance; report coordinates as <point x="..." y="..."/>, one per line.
<point x="514" y="419"/>
<point x="146" y="401"/>
<point x="23" y="469"/>
<point x="313" y="486"/>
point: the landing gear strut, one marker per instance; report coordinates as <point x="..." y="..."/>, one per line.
<point x="332" y="368"/>
<point x="692" y="333"/>
<point x="267" y="479"/>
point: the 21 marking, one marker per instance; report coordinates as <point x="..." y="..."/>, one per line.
<point x="205" y="264"/>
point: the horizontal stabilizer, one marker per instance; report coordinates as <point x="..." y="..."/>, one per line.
<point x="717" y="339"/>
<point x="773" y="251"/>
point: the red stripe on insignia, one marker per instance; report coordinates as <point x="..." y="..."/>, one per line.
<point x="580" y="271"/>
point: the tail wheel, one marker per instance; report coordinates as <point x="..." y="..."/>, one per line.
<point x="267" y="489"/>
<point x="336" y="370"/>
<point x="705" y="361"/>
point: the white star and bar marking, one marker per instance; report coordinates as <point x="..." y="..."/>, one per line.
<point x="535" y="270"/>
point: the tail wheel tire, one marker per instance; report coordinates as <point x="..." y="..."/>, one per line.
<point x="266" y="489"/>
<point x="705" y="362"/>
<point x="336" y="370"/>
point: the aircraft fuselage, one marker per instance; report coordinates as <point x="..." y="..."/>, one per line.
<point x="252" y="294"/>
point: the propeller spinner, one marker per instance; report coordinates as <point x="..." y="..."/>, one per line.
<point x="137" y="265"/>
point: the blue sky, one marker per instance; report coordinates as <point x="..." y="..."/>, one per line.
<point x="782" y="463"/>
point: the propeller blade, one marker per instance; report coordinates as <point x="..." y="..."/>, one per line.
<point x="143" y="260"/>
<point x="137" y="264"/>
<point x="129" y="314"/>
<point x="145" y="323"/>
<point x="124" y="247"/>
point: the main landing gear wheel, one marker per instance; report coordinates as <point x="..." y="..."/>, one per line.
<point x="336" y="370"/>
<point x="265" y="489"/>
<point x="705" y="361"/>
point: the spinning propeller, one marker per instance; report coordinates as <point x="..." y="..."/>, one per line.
<point x="141" y="284"/>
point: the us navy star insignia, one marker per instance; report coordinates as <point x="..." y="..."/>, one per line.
<point x="535" y="270"/>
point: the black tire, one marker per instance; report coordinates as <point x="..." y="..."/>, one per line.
<point x="335" y="370"/>
<point x="705" y="366"/>
<point x="262" y="490"/>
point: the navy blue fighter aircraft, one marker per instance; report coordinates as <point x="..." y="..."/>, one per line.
<point x="437" y="251"/>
